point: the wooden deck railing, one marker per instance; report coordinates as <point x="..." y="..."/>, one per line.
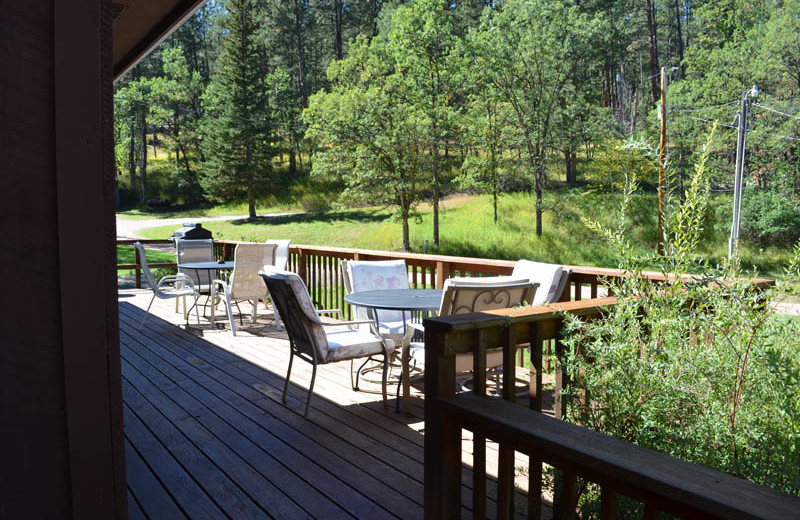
<point x="619" y="468"/>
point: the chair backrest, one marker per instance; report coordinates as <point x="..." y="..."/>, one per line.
<point x="281" y="253"/>
<point x="463" y="295"/>
<point x="201" y="250"/>
<point x="145" y="267"/>
<point x="248" y="260"/>
<point x="552" y="278"/>
<point x="290" y="296"/>
<point x="365" y="275"/>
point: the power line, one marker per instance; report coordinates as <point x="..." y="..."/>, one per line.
<point x="776" y="111"/>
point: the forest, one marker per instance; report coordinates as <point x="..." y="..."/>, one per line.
<point x="403" y="103"/>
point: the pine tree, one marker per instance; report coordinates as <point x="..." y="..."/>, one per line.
<point x="238" y="125"/>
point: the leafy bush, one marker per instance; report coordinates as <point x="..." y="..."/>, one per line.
<point x="770" y="217"/>
<point x="699" y="367"/>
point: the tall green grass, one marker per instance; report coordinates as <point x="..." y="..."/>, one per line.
<point x="467" y="229"/>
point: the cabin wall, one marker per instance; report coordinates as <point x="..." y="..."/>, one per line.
<point x="60" y="400"/>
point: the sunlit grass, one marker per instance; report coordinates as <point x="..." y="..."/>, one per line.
<point x="467" y="229"/>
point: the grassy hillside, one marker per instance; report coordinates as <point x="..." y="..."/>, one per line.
<point x="467" y="229"/>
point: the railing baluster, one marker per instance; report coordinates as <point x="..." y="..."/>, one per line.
<point x="505" y="465"/>
<point x="534" y="487"/>
<point x="509" y="369"/>
<point x="535" y="370"/>
<point x="608" y="503"/>
<point x="479" y="440"/>
<point x="569" y="496"/>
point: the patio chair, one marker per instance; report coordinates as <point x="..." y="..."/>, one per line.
<point x="281" y="262"/>
<point x="245" y="282"/>
<point x="281" y="253"/>
<point x="170" y="286"/>
<point x="195" y="251"/>
<point x="552" y="279"/>
<point x="361" y="275"/>
<point x="466" y="295"/>
<point x="310" y="342"/>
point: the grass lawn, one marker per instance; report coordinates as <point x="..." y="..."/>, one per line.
<point x="125" y="255"/>
<point x="467" y="229"/>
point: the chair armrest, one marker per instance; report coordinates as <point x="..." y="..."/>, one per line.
<point x="177" y="280"/>
<point x="356" y="322"/>
<point x="330" y="311"/>
<point x="219" y="283"/>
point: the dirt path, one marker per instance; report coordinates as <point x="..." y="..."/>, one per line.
<point x="130" y="228"/>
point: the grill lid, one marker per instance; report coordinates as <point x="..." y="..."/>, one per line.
<point x="191" y="231"/>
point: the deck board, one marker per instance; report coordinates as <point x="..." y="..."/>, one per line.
<point x="207" y="435"/>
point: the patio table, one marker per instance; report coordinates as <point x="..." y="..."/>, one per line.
<point x="208" y="267"/>
<point x="409" y="301"/>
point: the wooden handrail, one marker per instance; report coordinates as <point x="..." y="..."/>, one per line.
<point x="661" y="482"/>
<point x="680" y="488"/>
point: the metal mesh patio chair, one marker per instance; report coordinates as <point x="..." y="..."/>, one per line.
<point x="281" y="262"/>
<point x="245" y="282"/>
<point x="307" y="338"/>
<point x="170" y="286"/>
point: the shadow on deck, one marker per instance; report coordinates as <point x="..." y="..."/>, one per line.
<point x="207" y="436"/>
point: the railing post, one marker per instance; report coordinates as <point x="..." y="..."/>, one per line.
<point x="138" y="269"/>
<point x="442" y="482"/>
<point x="442" y="273"/>
<point x="301" y="266"/>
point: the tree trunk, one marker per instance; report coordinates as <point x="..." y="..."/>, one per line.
<point x="301" y="59"/>
<point x="653" y="41"/>
<point x="142" y="156"/>
<point x="251" y="202"/>
<point x="436" y="195"/>
<point x="680" y="32"/>
<point x="132" y="154"/>
<point x="406" y="237"/>
<point x="571" y="163"/>
<point x="337" y="29"/>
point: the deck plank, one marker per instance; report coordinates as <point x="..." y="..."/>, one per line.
<point x="361" y="470"/>
<point x="209" y="404"/>
<point x="266" y="453"/>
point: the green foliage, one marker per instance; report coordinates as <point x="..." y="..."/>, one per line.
<point x="699" y="367"/>
<point x="238" y="129"/>
<point x="365" y="130"/>
<point x="770" y="217"/>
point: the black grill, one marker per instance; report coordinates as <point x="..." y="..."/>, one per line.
<point x="191" y="231"/>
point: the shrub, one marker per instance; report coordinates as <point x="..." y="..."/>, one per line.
<point x="699" y="367"/>
<point x="770" y="217"/>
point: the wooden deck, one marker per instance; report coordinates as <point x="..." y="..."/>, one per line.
<point x="207" y="436"/>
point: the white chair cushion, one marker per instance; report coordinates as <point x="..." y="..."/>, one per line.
<point x="548" y="276"/>
<point x="349" y="344"/>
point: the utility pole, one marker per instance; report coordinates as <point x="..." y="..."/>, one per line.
<point x="662" y="154"/>
<point x="738" y="183"/>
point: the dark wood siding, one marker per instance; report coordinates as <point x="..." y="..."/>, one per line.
<point x="60" y="404"/>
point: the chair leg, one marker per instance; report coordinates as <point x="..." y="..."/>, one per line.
<point x="147" y="312"/>
<point x="288" y="375"/>
<point x="385" y="376"/>
<point x="230" y="312"/>
<point x="310" y="391"/>
<point x="196" y="312"/>
<point x="358" y="373"/>
<point x="277" y="318"/>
